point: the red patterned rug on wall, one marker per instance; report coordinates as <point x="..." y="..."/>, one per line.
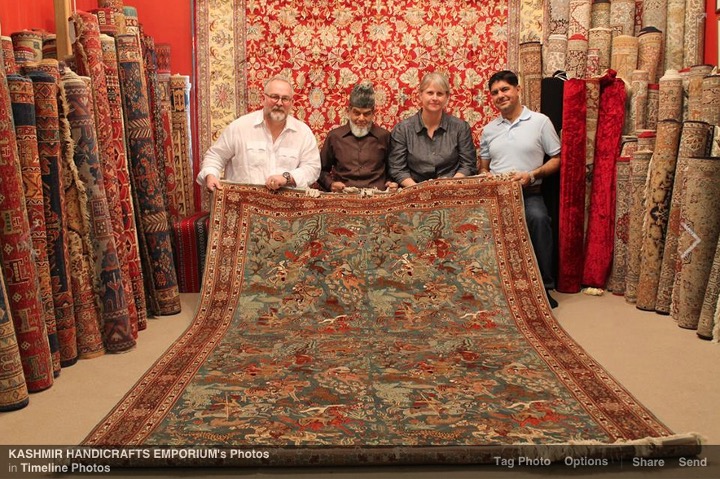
<point x="391" y="329"/>
<point x="327" y="47"/>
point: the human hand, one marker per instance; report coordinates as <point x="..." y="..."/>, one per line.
<point x="337" y="186"/>
<point x="523" y="177"/>
<point x="275" y="182"/>
<point x="212" y="183"/>
<point x="391" y="186"/>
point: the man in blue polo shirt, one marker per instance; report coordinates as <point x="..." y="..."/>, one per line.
<point x="518" y="141"/>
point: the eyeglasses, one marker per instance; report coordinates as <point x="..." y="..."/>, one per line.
<point x="274" y="97"/>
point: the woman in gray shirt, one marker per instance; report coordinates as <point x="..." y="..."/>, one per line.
<point x="432" y="143"/>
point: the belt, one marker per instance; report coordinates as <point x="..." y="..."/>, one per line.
<point x="533" y="190"/>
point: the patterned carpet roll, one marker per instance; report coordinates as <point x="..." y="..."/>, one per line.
<point x="639" y="167"/>
<point x="164" y="51"/>
<point x="646" y="140"/>
<point x="599" y="239"/>
<point x="657" y="205"/>
<point x="23" y="107"/>
<point x="18" y="264"/>
<point x="531" y="20"/>
<point x="624" y="55"/>
<point x="694" y="91"/>
<point x="579" y="17"/>
<point x="530" y="69"/>
<point x="694" y="41"/>
<point x="654" y="14"/>
<point x="129" y="240"/>
<point x="707" y="324"/>
<point x="132" y="24"/>
<point x="106" y="20"/>
<point x="670" y="98"/>
<point x="558" y="11"/>
<point x="49" y="47"/>
<point x="182" y="144"/>
<point x="599" y="46"/>
<point x="8" y="55"/>
<point x="715" y="146"/>
<point x="711" y="99"/>
<point x="13" y="390"/>
<point x="622" y="17"/>
<point x="119" y="16"/>
<point x="592" y="97"/>
<point x="674" y="34"/>
<point x="572" y="187"/>
<point x="699" y="218"/>
<point x="652" y="105"/>
<point x="623" y="195"/>
<point x="694" y="140"/>
<point x="600" y="14"/>
<point x="576" y="56"/>
<point x="27" y="45"/>
<point x="154" y="223"/>
<point x="650" y="52"/>
<point x="63" y="298"/>
<point x="89" y="60"/>
<point x="554" y="53"/>
<point x="116" y="323"/>
<point x="638" y="102"/>
<point x="171" y="184"/>
<point x="191" y="242"/>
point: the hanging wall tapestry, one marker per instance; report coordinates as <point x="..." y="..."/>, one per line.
<point x="325" y="48"/>
<point x="397" y="328"/>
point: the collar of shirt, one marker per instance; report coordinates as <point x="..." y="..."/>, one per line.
<point x="420" y="126"/>
<point x="524" y="115"/>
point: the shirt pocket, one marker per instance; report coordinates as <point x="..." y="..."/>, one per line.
<point x="256" y="153"/>
<point x="288" y="158"/>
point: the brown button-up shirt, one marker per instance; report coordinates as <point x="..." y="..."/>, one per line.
<point x="359" y="162"/>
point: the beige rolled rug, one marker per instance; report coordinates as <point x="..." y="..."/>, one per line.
<point x="646" y="140"/>
<point x="622" y="17"/>
<point x="650" y="52"/>
<point x="624" y="57"/>
<point x="554" y="52"/>
<point x="557" y="17"/>
<point x="710" y="109"/>
<point x="670" y="98"/>
<point x="637" y="119"/>
<point x="675" y="34"/>
<point x="652" y="105"/>
<point x="616" y="282"/>
<point x="599" y="47"/>
<point x="694" y="91"/>
<point x="530" y="69"/>
<point x="694" y="34"/>
<point x="639" y="167"/>
<point x="600" y="14"/>
<point x="697" y="239"/>
<point x="707" y="322"/>
<point x="657" y="203"/>
<point x="694" y="140"/>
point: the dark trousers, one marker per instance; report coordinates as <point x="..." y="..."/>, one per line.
<point x="540" y="228"/>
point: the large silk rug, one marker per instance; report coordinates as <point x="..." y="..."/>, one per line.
<point x="385" y="329"/>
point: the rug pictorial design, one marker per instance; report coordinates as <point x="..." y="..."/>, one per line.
<point x="415" y="320"/>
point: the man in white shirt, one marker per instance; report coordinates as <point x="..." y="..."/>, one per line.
<point x="266" y="147"/>
<point x="518" y="141"/>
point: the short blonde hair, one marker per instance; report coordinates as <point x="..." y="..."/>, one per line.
<point x="437" y="78"/>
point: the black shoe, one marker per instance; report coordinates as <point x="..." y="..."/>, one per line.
<point x="551" y="300"/>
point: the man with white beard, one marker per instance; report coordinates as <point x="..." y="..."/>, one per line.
<point x="355" y="154"/>
<point x="266" y="147"/>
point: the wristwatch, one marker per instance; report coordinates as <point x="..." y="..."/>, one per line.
<point x="532" y="178"/>
<point x="288" y="178"/>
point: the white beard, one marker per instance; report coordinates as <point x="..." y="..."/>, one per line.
<point x="359" y="131"/>
<point x="278" y="115"/>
